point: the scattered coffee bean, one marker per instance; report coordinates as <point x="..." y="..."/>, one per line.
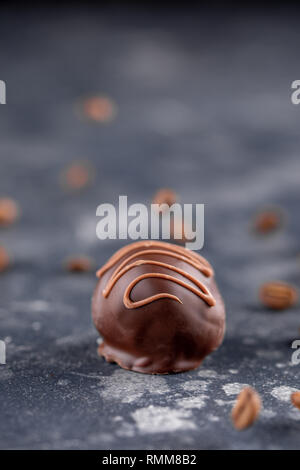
<point x="9" y="211"/>
<point x="4" y="259"/>
<point x="295" y="399"/>
<point x="278" y="295"/>
<point x="99" y="108"/>
<point x="78" y="264"/>
<point x="246" y="408"/>
<point x="267" y="221"/>
<point x="77" y="176"/>
<point x="165" y="196"/>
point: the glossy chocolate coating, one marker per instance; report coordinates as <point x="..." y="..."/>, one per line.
<point x="157" y="308"/>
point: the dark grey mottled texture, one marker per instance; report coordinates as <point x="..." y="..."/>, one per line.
<point x="204" y="107"/>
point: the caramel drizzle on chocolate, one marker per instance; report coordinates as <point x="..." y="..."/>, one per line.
<point x="167" y="249"/>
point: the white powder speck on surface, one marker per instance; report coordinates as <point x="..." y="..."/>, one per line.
<point x="280" y="365"/>
<point x="265" y="354"/>
<point x="125" y="430"/>
<point x="67" y="340"/>
<point x="126" y="387"/>
<point x="233" y="388"/>
<point x="195" y="385"/>
<point x="101" y="438"/>
<point x="63" y="382"/>
<point x="283" y="393"/>
<point x="207" y="373"/>
<point x="267" y="413"/>
<point x="233" y="371"/>
<point x="36" y="326"/>
<point x="192" y="402"/>
<point x="34" y="306"/>
<point x="213" y="418"/>
<point x="224" y="402"/>
<point x="158" y="419"/>
<point x="22" y="348"/>
<point x="87" y="376"/>
<point x="249" y="340"/>
<point x="117" y="418"/>
<point x="294" y="415"/>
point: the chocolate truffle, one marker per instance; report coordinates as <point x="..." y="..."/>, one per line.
<point x="157" y="308"/>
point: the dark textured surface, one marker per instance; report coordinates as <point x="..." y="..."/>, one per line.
<point x="204" y="107"/>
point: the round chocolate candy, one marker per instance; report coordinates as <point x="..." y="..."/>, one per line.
<point x="157" y="308"/>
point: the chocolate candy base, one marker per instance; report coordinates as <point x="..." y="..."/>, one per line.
<point x="143" y="364"/>
<point x="163" y="336"/>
